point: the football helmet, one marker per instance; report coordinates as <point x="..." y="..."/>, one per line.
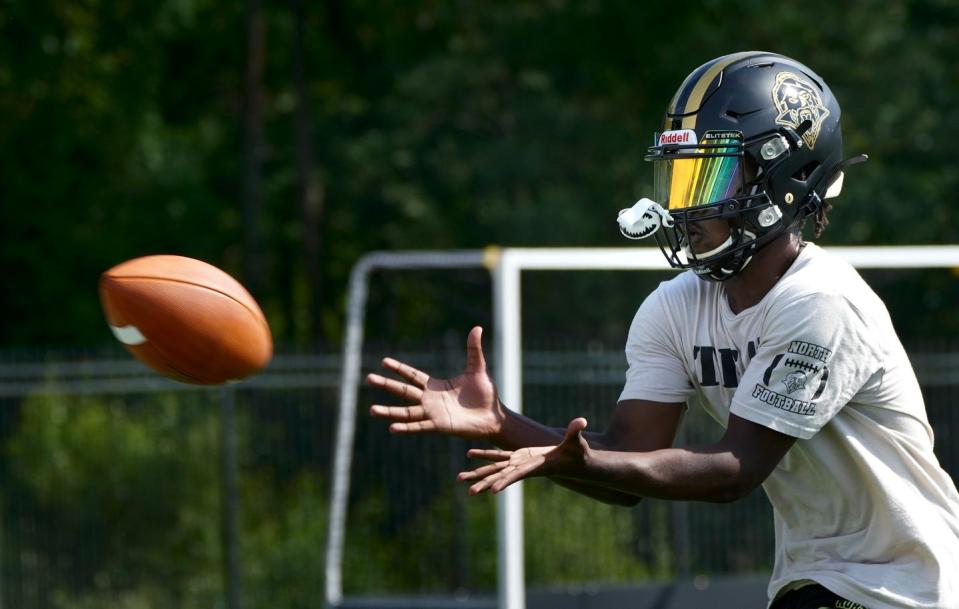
<point x="752" y="138"/>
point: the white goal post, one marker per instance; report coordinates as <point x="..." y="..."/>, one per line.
<point x="506" y="266"/>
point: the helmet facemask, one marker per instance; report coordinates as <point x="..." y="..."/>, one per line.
<point x="716" y="178"/>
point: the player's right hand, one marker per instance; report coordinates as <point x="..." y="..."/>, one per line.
<point x="465" y="406"/>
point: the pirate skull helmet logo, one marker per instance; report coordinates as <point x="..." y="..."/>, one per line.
<point x="798" y="100"/>
<point x="794" y="381"/>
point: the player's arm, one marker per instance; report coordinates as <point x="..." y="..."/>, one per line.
<point x="468" y="406"/>
<point x="724" y="471"/>
<point x="636" y="425"/>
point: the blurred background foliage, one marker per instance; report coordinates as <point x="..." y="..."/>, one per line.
<point x="283" y="140"/>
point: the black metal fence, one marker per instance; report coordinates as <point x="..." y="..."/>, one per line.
<point x="120" y="489"/>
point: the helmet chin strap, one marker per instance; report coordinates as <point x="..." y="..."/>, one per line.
<point x="690" y="255"/>
<point x="722" y="272"/>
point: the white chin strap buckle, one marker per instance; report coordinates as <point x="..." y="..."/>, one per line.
<point x="643" y="219"/>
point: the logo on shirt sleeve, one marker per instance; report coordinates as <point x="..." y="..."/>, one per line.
<point x="783" y="402"/>
<point x="794" y="381"/>
<point x="792" y="376"/>
<point x="810" y="350"/>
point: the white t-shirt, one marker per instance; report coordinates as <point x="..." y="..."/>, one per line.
<point x="861" y="504"/>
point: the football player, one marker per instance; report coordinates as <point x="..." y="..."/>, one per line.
<point x="785" y="346"/>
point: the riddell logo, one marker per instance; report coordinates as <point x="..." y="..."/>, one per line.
<point x="682" y="136"/>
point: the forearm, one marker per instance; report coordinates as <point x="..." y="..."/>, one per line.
<point x="708" y="473"/>
<point x="598" y="492"/>
<point x="519" y="431"/>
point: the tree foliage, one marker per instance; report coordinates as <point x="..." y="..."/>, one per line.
<point x="435" y="124"/>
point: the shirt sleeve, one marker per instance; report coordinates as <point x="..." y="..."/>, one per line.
<point x="815" y="357"/>
<point x="656" y="371"/>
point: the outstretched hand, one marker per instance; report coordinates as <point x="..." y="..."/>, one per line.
<point x="509" y="466"/>
<point x="465" y="406"/>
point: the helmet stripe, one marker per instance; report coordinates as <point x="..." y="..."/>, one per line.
<point x="682" y="95"/>
<point x="698" y="90"/>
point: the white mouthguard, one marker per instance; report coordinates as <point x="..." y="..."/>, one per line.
<point x="643" y="219"/>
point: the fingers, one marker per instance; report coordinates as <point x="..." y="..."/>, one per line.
<point x="484" y="484"/>
<point x="414" y="427"/>
<point x="406" y="419"/>
<point x="398" y="413"/>
<point x="475" y="361"/>
<point x="490" y="454"/>
<point x="417" y="377"/>
<point x="507" y="467"/>
<point x="500" y="458"/>
<point x="575" y="427"/>
<point x="482" y="472"/>
<point x="400" y="390"/>
<point x="497" y="481"/>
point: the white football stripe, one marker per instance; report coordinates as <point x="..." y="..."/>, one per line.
<point x="128" y="335"/>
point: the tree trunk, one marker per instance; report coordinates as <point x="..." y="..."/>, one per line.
<point x="253" y="254"/>
<point x="311" y="191"/>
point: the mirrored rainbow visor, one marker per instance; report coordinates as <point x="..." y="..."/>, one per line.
<point x="694" y="174"/>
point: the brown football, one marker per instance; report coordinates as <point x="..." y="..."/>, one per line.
<point x="186" y="319"/>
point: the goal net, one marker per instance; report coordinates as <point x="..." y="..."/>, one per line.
<point x="401" y="531"/>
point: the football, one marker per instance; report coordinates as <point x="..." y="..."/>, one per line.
<point x="186" y="319"/>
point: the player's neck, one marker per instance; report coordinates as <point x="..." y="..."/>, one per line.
<point x="766" y="268"/>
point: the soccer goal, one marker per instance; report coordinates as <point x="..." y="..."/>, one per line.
<point x="509" y="268"/>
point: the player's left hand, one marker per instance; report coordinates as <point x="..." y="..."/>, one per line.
<point x="508" y="466"/>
